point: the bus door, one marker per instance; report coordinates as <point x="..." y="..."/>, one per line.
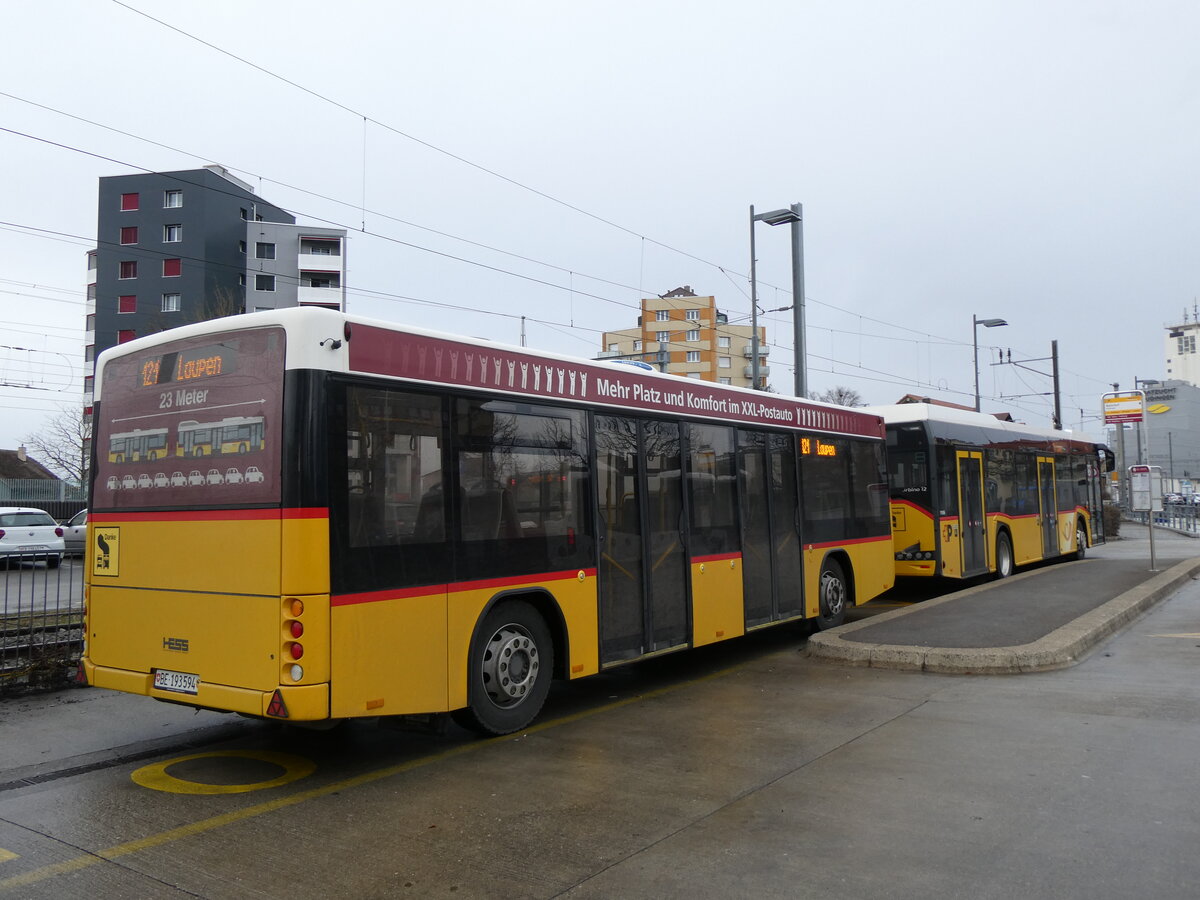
<point x="643" y="561"/>
<point x="771" y="571"/>
<point x="972" y="521"/>
<point x="1047" y="506"/>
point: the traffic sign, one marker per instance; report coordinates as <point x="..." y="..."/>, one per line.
<point x="1124" y="406"/>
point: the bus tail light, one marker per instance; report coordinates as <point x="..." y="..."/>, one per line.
<point x="296" y="628"/>
<point x="297" y="607"/>
<point x="297" y="672"/>
<point x="297" y="650"/>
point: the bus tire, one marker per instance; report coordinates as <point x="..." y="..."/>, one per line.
<point x="509" y="670"/>
<point x="1004" y="555"/>
<point x="833" y="595"/>
<point x="1080" y="540"/>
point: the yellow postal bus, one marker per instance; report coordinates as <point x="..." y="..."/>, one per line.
<point x="427" y="523"/>
<point x="972" y="495"/>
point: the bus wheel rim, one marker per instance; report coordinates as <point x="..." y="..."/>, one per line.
<point x="510" y="665"/>
<point x="833" y="594"/>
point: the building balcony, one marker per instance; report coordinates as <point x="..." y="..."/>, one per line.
<point x="609" y="354"/>
<point x="320" y="262"/>
<point x="748" y="351"/>
<point x="763" y="371"/>
<point x="325" y="296"/>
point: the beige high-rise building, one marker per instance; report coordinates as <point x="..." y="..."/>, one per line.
<point x="683" y="334"/>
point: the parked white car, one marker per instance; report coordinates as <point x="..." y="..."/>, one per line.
<point x="233" y="476"/>
<point x="195" y="478"/>
<point x="161" y="480"/>
<point x="178" y="479"/>
<point x="254" y="475"/>
<point x="144" y="481"/>
<point x="28" y="534"/>
<point x="215" y="477"/>
<point x="113" y="483"/>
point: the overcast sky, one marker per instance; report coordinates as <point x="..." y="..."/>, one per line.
<point x="1034" y="161"/>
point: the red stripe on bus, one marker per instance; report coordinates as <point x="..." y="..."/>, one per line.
<point x="716" y="557"/>
<point x="307" y="512"/>
<point x="520" y="579"/>
<point x="914" y="507"/>
<point x="847" y="543"/>
<point x="379" y="596"/>
<point x="213" y="515"/>
<point x="457" y="587"/>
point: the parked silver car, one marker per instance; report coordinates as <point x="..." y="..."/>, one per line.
<point x="30" y="534"/>
<point x="75" y="533"/>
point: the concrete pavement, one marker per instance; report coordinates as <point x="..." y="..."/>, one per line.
<point x="1044" y="618"/>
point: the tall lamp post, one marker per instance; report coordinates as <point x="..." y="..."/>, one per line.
<point x="975" y="323"/>
<point x="795" y="216"/>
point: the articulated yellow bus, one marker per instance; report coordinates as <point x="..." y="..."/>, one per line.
<point x="436" y="524"/>
<point x="231" y="435"/>
<point x="972" y="494"/>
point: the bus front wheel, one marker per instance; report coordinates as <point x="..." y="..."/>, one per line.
<point x="1080" y="540"/>
<point x="1004" y="556"/>
<point x="509" y="671"/>
<point x="833" y="595"/>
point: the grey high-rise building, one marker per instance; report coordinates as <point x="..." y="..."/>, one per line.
<point x="174" y="248"/>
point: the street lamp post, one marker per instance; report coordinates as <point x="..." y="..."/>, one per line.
<point x="794" y="215"/>
<point x="975" y="323"/>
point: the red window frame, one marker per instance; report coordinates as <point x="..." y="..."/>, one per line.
<point x="172" y="268"/>
<point x="129" y="202"/>
<point x="128" y="269"/>
<point x="129" y="234"/>
<point x="127" y="303"/>
<point x="125" y="335"/>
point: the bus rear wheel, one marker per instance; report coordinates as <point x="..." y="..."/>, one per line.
<point x="1004" y="555"/>
<point x="509" y="671"/>
<point x="833" y="594"/>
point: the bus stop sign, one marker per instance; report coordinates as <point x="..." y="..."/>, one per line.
<point x="1145" y="488"/>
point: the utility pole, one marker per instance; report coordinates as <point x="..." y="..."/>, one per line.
<point x="1057" y="393"/>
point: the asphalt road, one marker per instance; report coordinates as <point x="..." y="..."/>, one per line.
<point x="745" y="769"/>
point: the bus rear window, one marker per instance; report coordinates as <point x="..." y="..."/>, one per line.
<point x="192" y="423"/>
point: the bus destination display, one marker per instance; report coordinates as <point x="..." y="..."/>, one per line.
<point x="190" y="365"/>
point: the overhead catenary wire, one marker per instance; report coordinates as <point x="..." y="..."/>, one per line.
<point x="498" y="250"/>
<point x="570" y="272"/>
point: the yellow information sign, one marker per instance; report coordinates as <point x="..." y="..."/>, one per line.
<point x="1128" y="406"/>
<point x="106" y="550"/>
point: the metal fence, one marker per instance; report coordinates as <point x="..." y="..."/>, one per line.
<point x="1183" y="518"/>
<point x="61" y="499"/>
<point x="36" y="491"/>
<point x="41" y="623"/>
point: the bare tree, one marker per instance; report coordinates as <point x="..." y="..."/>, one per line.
<point x="62" y="443"/>
<point x="841" y="395"/>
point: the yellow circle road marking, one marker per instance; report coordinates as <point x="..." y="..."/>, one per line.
<point x="156" y="777"/>
<point x="204" y="826"/>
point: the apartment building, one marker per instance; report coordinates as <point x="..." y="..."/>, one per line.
<point x="685" y="334"/>
<point x="186" y="246"/>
